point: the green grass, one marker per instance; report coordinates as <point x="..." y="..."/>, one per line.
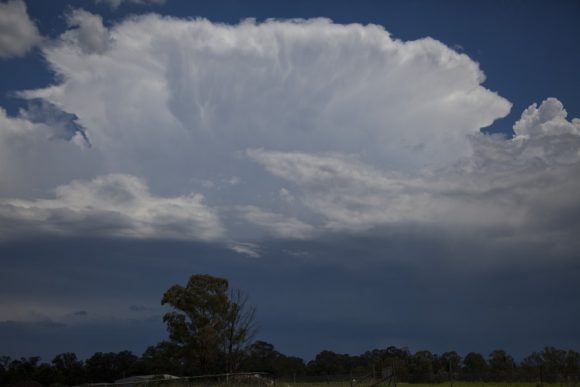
<point x="367" y="383"/>
<point x="455" y="384"/>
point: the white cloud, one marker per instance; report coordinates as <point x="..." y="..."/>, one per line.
<point x="276" y="224"/>
<point x="350" y="128"/>
<point x="352" y="195"/>
<point x="116" y="3"/>
<point x="89" y="33"/>
<point x="111" y="205"/>
<point x="547" y="120"/>
<point x="218" y="89"/>
<point x="18" y="34"/>
<point x="249" y="249"/>
<point x="35" y="157"/>
<point x="508" y="184"/>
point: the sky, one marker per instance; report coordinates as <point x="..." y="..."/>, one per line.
<point x="371" y="173"/>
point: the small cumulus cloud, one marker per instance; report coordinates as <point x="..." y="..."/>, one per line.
<point x="234" y="180"/>
<point x="18" y="34"/>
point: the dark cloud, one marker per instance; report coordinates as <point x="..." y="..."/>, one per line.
<point x="25" y="339"/>
<point x="140" y="308"/>
<point x="41" y="325"/>
<point x="62" y="125"/>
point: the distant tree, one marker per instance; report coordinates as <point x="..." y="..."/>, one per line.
<point x="125" y="362"/>
<point x="330" y="363"/>
<point x="532" y="368"/>
<point x="4" y="361"/>
<point x="208" y="323"/>
<point x="44" y="374"/>
<point x="391" y="357"/>
<point x="68" y="369"/>
<point x="162" y="358"/>
<point x="262" y="357"/>
<point x="447" y="366"/>
<point x="502" y="366"/>
<point x="572" y="367"/>
<point x="287" y="366"/>
<point x="22" y="370"/>
<point x="110" y="366"/>
<point x="474" y="367"/>
<point x="551" y="365"/>
<point x="554" y="363"/>
<point x="421" y="367"/>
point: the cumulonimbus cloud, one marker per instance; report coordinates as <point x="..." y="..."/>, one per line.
<point x="322" y="126"/>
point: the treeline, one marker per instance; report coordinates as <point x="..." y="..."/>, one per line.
<point x="210" y="328"/>
<point x="549" y="365"/>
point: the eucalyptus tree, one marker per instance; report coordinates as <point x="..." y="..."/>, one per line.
<point x="208" y="322"/>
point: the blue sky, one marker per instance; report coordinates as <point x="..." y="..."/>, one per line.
<point x="336" y="160"/>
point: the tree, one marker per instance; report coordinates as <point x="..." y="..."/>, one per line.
<point x="501" y="366"/>
<point x="22" y="370"/>
<point x="572" y="367"/>
<point x="421" y="367"/>
<point x="447" y="366"/>
<point x="554" y="360"/>
<point x="160" y="359"/>
<point x="262" y="357"/>
<point x="239" y="328"/>
<point x="474" y="367"/>
<point x="329" y="363"/>
<point x="69" y="370"/>
<point x="108" y="367"/>
<point x="392" y="357"/>
<point x="4" y="361"/>
<point x="532" y="367"/>
<point x="208" y="322"/>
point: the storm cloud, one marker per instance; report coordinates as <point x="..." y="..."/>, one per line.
<point x="337" y="173"/>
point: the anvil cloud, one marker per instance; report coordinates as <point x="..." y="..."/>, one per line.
<point x="287" y="129"/>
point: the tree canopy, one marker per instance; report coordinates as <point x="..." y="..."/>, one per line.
<point x="208" y="321"/>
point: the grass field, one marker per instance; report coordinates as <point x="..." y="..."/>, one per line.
<point x="455" y="384"/>
<point x="370" y="383"/>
